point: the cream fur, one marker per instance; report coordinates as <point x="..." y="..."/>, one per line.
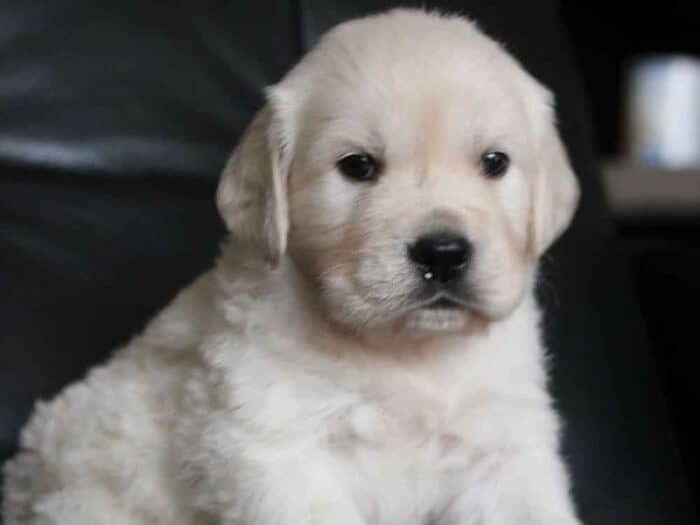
<point x="300" y="381"/>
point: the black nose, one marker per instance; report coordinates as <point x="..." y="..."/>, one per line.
<point x="442" y="257"/>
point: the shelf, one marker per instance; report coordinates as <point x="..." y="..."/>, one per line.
<point x="638" y="191"/>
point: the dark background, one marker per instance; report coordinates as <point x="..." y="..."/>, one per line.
<point x="662" y="252"/>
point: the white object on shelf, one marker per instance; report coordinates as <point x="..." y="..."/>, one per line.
<point x="663" y="111"/>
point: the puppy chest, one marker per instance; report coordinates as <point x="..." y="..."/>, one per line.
<point x="400" y="466"/>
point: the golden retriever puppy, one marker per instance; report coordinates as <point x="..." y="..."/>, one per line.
<point x="366" y="350"/>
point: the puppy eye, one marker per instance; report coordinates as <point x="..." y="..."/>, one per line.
<point x="494" y="164"/>
<point x="359" y="167"/>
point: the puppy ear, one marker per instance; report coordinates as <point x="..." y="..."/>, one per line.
<point x="555" y="188"/>
<point x="252" y="193"/>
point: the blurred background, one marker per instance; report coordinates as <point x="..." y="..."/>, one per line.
<point x="641" y="67"/>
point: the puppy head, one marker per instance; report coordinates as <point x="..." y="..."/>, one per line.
<point x="411" y="169"/>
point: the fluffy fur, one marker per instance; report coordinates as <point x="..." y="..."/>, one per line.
<point x="303" y="380"/>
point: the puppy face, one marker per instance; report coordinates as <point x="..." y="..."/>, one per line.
<point x="414" y="181"/>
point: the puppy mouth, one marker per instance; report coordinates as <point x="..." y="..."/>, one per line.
<point x="445" y="303"/>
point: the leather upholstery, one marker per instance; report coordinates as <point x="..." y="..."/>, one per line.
<point x="115" y="119"/>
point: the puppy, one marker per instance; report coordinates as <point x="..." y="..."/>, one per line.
<point x="366" y="350"/>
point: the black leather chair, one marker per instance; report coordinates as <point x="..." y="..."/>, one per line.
<point x="115" y="120"/>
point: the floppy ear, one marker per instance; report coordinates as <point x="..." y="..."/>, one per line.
<point x="555" y="189"/>
<point x="252" y="193"/>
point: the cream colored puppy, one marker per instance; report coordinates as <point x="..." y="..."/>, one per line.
<point x="367" y="350"/>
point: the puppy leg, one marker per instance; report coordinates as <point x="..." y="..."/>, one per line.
<point x="286" y="494"/>
<point x="276" y="485"/>
<point x="529" y="488"/>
